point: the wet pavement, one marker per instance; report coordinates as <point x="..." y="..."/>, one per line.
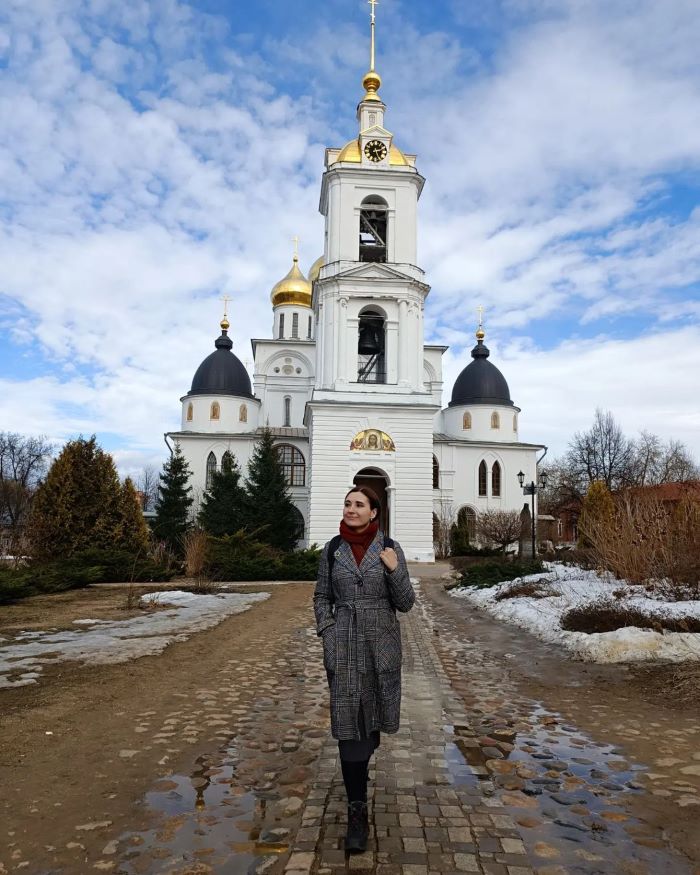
<point x="480" y="778"/>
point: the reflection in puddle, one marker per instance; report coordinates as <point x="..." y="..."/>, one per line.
<point x="207" y="823"/>
<point x="566" y="793"/>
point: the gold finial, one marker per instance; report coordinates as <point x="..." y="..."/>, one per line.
<point x="480" y="334"/>
<point x="295" y="240"/>
<point x="372" y="80"/>
<point x="225" y="324"/>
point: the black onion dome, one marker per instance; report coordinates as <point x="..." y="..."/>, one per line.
<point x="480" y="382"/>
<point x="221" y="373"/>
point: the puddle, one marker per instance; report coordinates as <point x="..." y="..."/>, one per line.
<point x="566" y="793"/>
<point x="206" y="819"/>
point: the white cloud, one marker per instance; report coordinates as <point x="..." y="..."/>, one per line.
<point x="548" y="159"/>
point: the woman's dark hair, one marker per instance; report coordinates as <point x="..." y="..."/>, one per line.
<point x="369" y="494"/>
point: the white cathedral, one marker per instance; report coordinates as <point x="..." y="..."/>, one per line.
<point x="346" y="384"/>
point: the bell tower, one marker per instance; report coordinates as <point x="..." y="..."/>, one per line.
<point x="368" y="305"/>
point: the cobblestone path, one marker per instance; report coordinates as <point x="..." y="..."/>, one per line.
<point x="479" y="778"/>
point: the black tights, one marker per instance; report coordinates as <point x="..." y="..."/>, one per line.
<point x="355" y="778"/>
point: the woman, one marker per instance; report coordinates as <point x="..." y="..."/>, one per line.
<point x="362" y="582"/>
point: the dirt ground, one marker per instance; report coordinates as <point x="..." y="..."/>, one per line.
<point x="81" y="749"/>
<point x="61" y="764"/>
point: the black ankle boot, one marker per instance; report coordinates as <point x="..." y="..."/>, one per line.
<point x="358" y="828"/>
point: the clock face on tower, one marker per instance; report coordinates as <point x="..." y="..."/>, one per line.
<point x="375" y="150"/>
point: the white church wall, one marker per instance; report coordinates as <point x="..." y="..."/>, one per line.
<point x="459" y="475"/>
<point x="346" y="189"/>
<point x="408" y="470"/>
<point x="481" y="422"/>
<point x="235" y="415"/>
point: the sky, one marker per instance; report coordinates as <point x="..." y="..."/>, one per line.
<point x="156" y="156"/>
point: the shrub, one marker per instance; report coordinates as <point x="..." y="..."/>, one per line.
<point x="241" y="557"/>
<point x="78" y="571"/>
<point x="533" y="589"/>
<point x="644" y="540"/>
<point x="608" y="615"/>
<point x="494" y="571"/>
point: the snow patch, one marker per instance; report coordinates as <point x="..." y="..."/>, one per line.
<point x="108" y="642"/>
<point x="574" y="587"/>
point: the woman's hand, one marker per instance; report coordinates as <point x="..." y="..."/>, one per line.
<point x="389" y="558"/>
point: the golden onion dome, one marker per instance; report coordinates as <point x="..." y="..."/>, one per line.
<point x="316" y="269"/>
<point x="293" y="289"/>
<point x="351" y="154"/>
<point x="372" y="82"/>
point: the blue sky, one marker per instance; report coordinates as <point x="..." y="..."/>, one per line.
<point x="155" y="156"/>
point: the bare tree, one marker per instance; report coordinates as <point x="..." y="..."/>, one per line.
<point x="676" y="464"/>
<point x="601" y="453"/>
<point x="147" y="484"/>
<point x="442" y="528"/>
<point x="23" y="462"/>
<point x="499" y="527"/>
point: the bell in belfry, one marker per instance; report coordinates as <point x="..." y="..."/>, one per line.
<point x="368" y="341"/>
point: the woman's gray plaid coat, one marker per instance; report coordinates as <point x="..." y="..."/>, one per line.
<point x="356" y="616"/>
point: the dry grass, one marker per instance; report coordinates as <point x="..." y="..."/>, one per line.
<point x="647" y="541"/>
<point x="608" y="615"/>
<point x="533" y="589"/>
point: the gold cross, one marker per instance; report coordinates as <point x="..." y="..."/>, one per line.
<point x="373" y="3"/>
<point x="295" y="240"/>
<point x="225" y="299"/>
<point x="480" y="311"/>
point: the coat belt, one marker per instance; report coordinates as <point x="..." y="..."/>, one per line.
<point x="357" y="624"/>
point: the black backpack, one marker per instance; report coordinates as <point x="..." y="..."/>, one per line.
<point x="334" y="543"/>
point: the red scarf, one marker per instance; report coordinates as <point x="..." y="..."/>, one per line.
<point x="359" y="541"/>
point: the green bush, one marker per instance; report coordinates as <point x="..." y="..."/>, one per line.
<point x="240" y="557"/>
<point x="78" y="571"/>
<point x="493" y="571"/>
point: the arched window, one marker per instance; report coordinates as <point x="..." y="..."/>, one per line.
<point x="190" y="412"/>
<point x="287" y="411"/>
<point x="483" y="478"/>
<point x="515" y="422"/>
<point x="495" y="420"/>
<point x="293" y="464"/>
<point x="373" y="229"/>
<point x="295" y="325"/>
<point x="370" y="348"/>
<point x="281" y="332"/>
<point x="300" y="525"/>
<point x="226" y="460"/>
<point x="467" y="421"/>
<point x="243" y="413"/>
<point x="436" y="473"/>
<point x="496" y="480"/>
<point x="211" y="469"/>
<point x="308" y="333"/>
<point x="215" y="412"/>
<point x="466" y="521"/>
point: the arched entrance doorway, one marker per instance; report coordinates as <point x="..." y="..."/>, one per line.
<point x="377" y="481"/>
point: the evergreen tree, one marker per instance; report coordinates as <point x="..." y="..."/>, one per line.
<point x="133" y="531"/>
<point x="224" y="506"/>
<point x="271" y="515"/>
<point x="174" y="501"/>
<point x="597" y="512"/>
<point x="78" y="506"/>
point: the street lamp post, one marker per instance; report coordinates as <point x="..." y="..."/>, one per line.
<point x="531" y="489"/>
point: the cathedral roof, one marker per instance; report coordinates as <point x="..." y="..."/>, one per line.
<point x="222" y="373"/>
<point x="480" y="382"/>
<point x="315" y="269"/>
<point x="293" y="289"/>
<point x="351" y="154"/>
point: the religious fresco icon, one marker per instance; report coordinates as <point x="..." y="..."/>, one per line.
<point x="372" y="440"/>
